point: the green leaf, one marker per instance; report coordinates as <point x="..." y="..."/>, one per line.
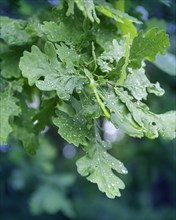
<point x="147" y="46"/>
<point x="10" y="65"/>
<point x="120" y="116"/>
<point x="166" y="63"/>
<point x="114" y="52"/>
<point x="138" y="84"/>
<point x="46" y="109"/>
<point x="70" y="7"/>
<point x="63" y="84"/>
<point x="105" y="34"/>
<point x="46" y="154"/>
<point x="17" y="85"/>
<point x="63" y="80"/>
<point x="24" y="129"/>
<point x="123" y="20"/>
<point x="61" y="32"/>
<point x="91" y="109"/>
<point x="154" y="22"/>
<point x="117" y="15"/>
<point x="127" y="27"/>
<point x="73" y="129"/>
<point x="151" y="124"/>
<point x="68" y="56"/>
<point x="88" y="9"/>
<point x="13" y="31"/>
<point x="167" y="125"/>
<point x="98" y="166"/>
<point x="34" y="65"/>
<point x="88" y="71"/>
<point x="123" y="73"/>
<point x="168" y="3"/>
<point x="51" y="200"/>
<point x="8" y="109"/>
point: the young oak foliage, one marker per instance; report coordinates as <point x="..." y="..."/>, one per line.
<point x="86" y="63"/>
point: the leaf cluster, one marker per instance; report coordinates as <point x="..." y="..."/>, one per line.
<point x="85" y="64"/>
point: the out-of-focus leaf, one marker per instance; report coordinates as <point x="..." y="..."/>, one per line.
<point x="46" y="109"/>
<point x="166" y="2"/>
<point x="166" y="63"/>
<point x="13" y="31"/>
<point x="24" y="129"/>
<point x="70" y="7"/>
<point x="156" y="23"/>
<point x="8" y="109"/>
<point x="10" y="65"/>
<point x="51" y="200"/>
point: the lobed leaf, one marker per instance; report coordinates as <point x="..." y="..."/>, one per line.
<point x="63" y="80"/>
<point x="56" y="201"/>
<point x="114" y="52"/>
<point x="73" y="129"/>
<point x="120" y="116"/>
<point x="150" y="124"/>
<point x="147" y="46"/>
<point x="60" y="32"/>
<point x="88" y="9"/>
<point x="8" y="109"/>
<point x="13" y="32"/>
<point x="98" y="166"/>
<point x="139" y="86"/>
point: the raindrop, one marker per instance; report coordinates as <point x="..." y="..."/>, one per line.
<point x="35" y="122"/>
<point x="124" y="170"/>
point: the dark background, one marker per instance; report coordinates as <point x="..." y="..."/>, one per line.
<point x="27" y="183"/>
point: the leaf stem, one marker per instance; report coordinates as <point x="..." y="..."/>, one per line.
<point x="101" y="104"/>
<point x="124" y="67"/>
<point x="93" y="87"/>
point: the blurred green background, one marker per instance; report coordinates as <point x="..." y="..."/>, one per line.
<point x="48" y="187"/>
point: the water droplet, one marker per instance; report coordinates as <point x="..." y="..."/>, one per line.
<point x="35" y="122"/>
<point x="124" y="170"/>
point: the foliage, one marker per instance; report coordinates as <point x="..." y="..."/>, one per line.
<point x="89" y="53"/>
